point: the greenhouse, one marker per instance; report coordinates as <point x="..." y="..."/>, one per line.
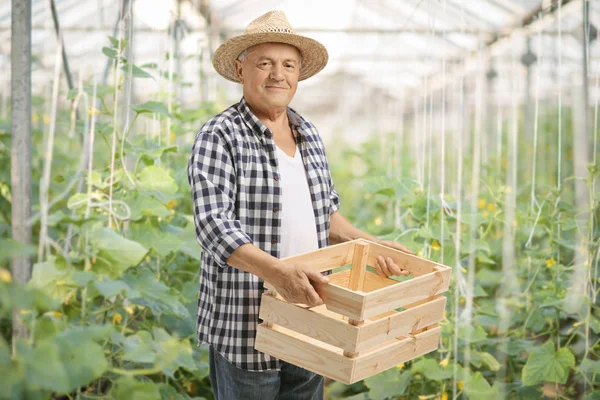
<point x="150" y="250"/>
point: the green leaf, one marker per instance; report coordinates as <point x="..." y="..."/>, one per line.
<point x="151" y="107"/>
<point x="116" y="253"/>
<point x="595" y="395"/>
<point x="546" y="365"/>
<point x="431" y="369"/>
<point x="139" y="348"/>
<point x="115" y="42"/>
<point x="110" y="53"/>
<point x="109" y="288"/>
<point x="150" y="236"/>
<point x="130" y="389"/>
<point x="478" y="334"/>
<point x="149" y="148"/>
<point x="158" y="182"/>
<point x="136" y="71"/>
<point x="478" y="388"/>
<point x="10" y="248"/>
<point x="144" y="205"/>
<point x="158" y="179"/>
<point x="159" y="298"/>
<point x="53" y="277"/>
<point x="387" y="384"/>
<point x="63" y="366"/>
<point x="590" y="366"/>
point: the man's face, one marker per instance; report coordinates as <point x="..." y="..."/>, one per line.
<point x="269" y="75"/>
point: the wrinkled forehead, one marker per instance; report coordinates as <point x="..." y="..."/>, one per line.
<point x="273" y="48"/>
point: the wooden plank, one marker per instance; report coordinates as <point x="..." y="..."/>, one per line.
<point x="344" y="301"/>
<point x="390" y="355"/>
<point x="316" y="325"/>
<point x="339" y="299"/>
<point x="416" y="265"/>
<point x="402" y="323"/>
<point x="407" y="292"/>
<point x="359" y="266"/>
<point x="325" y="258"/>
<point x="372" y="281"/>
<point x="304" y="352"/>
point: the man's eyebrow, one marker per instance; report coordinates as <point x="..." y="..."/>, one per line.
<point x="262" y="58"/>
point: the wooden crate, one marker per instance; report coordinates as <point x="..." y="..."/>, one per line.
<point x="358" y="332"/>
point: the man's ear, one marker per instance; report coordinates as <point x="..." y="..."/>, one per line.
<point x="238" y="71"/>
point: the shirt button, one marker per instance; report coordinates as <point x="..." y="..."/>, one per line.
<point x="268" y="133"/>
<point x="276" y="209"/>
<point x="274" y="241"/>
<point x="276" y="177"/>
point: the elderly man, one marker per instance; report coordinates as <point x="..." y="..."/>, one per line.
<point x="262" y="191"/>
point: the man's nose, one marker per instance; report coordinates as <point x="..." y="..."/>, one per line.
<point x="277" y="72"/>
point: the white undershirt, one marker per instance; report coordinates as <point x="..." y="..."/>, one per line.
<point x="298" y="226"/>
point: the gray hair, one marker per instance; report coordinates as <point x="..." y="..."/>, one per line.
<point x="244" y="54"/>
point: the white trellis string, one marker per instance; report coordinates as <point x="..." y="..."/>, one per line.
<point x="593" y="183"/>
<point x="536" y="122"/>
<point x="475" y="175"/>
<point x="459" y="281"/>
<point x="128" y="86"/>
<point x="91" y="139"/>
<point x="45" y="180"/>
<point x="429" y="142"/>
<point x="398" y="146"/>
<point x="443" y="150"/>
<point x="116" y="76"/>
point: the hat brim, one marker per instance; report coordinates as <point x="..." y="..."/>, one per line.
<point x="314" y="54"/>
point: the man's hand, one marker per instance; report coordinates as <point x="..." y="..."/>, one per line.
<point x="297" y="283"/>
<point x="386" y="266"/>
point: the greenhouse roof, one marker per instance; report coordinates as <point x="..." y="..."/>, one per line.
<point x="387" y="45"/>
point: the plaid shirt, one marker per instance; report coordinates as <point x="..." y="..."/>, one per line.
<point x="234" y="177"/>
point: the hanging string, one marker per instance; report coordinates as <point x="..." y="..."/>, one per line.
<point x="427" y="247"/>
<point x="44" y="243"/>
<point x="117" y="76"/>
<point x="443" y="150"/>
<point x="475" y="175"/>
<point x="458" y="278"/>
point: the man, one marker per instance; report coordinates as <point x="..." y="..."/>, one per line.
<point x="262" y="191"/>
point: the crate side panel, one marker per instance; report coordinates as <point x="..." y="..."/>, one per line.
<point x="416" y="265"/>
<point x="401" y="323"/>
<point x="307" y="322"/>
<point x="304" y="352"/>
<point x="325" y="258"/>
<point x="391" y="355"/>
<point x="344" y="301"/>
<point x="407" y="292"/>
<point x="372" y="281"/>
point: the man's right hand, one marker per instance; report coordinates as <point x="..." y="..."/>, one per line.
<point x="297" y="283"/>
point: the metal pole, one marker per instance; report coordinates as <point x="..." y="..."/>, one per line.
<point x="20" y="156"/>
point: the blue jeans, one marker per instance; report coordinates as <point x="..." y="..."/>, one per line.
<point x="291" y="383"/>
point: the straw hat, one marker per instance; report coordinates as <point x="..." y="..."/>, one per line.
<point x="271" y="27"/>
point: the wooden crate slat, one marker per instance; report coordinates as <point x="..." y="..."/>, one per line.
<point x="305" y="352"/>
<point x="344" y="301"/>
<point x="359" y="266"/>
<point x="310" y="323"/>
<point x="338" y="299"/>
<point x="371" y="283"/>
<point x="401" y="323"/>
<point x="326" y="258"/>
<point x="393" y="354"/>
<point x="416" y="265"/>
<point x="407" y="292"/>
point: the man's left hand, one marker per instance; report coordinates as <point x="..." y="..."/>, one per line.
<point x="385" y="266"/>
